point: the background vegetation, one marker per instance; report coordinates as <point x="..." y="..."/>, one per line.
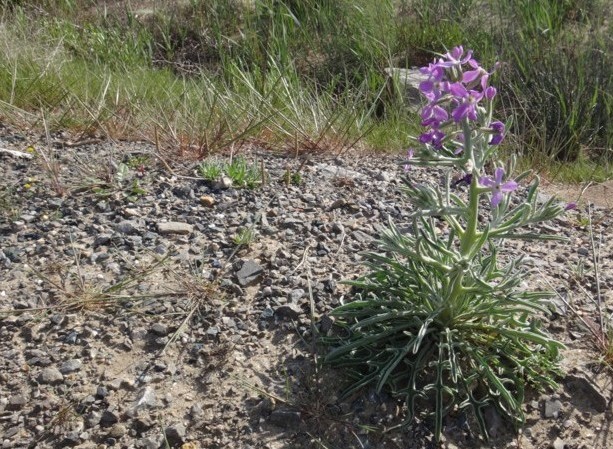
<point x="305" y="75"/>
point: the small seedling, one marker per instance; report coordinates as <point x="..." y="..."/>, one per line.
<point x="138" y="161"/>
<point x="124" y="183"/>
<point x="238" y="170"/>
<point x="244" y="237"/>
<point x="242" y="174"/>
<point x="210" y="170"/>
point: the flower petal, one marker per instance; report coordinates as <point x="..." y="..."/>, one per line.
<point x="486" y="181"/>
<point x="498" y="175"/>
<point x="470" y="76"/>
<point x="508" y="186"/>
<point x="426" y="86"/>
<point x="496" y="198"/>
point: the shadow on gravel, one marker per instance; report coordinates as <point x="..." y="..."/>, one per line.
<point x="302" y="409"/>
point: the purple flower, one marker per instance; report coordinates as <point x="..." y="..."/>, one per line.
<point x="497" y="187"/>
<point x="571" y="206"/>
<point x="472" y="75"/>
<point x="434" y="137"/>
<point x="498" y="130"/>
<point x="454" y="58"/>
<point x="467" y="101"/>
<point x="433" y="115"/>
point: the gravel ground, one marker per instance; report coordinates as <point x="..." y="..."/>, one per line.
<point x="130" y="317"/>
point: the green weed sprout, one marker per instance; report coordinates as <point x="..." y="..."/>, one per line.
<point x="241" y="173"/>
<point x="437" y="319"/>
<point x="210" y="170"/>
<point x="244" y="237"/>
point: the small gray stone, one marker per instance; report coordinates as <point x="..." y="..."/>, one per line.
<point x="578" y="384"/>
<point x="174" y="227"/>
<point x="11" y="432"/>
<point x="385" y="176"/>
<point x="335" y="172"/>
<point x="152" y="442"/>
<point x="50" y="376"/>
<point x="361" y="236"/>
<point x="146" y="398"/>
<point x="16" y="402"/>
<point x="285" y="418"/>
<point x="553" y="407"/>
<point x="58" y="318"/>
<point x="70" y="366"/>
<point x="223" y="183"/>
<point x="268" y="312"/>
<point x="71" y="439"/>
<point x="212" y="332"/>
<point x="127" y="227"/>
<point x="102" y="240"/>
<point x="559" y="444"/>
<point x="101" y="392"/>
<point x="296" y="294"/>
<point x="196" y="412"/>
<point x="159" y="329"/>
<point x="249" y="273"/>
<point x="175" y="434"/>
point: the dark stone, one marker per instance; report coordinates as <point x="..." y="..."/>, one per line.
<point x="128" y="227"/>
<point x="580" y="385"/>
<point x="108" y="418"/>
<point x="175" y="434"/>
<point x="102" y="240"/>
<point x="249" y="273"/>
<point x="285" y="418"/>
<point x="291" y="311"/>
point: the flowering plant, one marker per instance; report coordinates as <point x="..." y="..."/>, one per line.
<point x="437" y="318"/>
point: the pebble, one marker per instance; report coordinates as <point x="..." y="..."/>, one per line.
<point x="249" y="273"/>
<point x="70" y="366"/>
<point x="207" y="201"/>
<point x="290" y="311"/>
<point x="285" y="418"/>
<point x="108" y="418"/>
<point x="553" y="407"/>
<point x="559" y="444"/>
<point x="51" y="376"/>
<point x="146" y="398"/>
<point x="174" y="227"/>
<point x="16" y="402"/>
<point x="127" y="227"/>
<point x="159" y="329"/>
<point x="175" y="434"/>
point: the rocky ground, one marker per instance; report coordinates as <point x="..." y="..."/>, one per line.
<point x="142" y="307"/>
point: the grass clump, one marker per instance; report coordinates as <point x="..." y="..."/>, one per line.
<point x="238" y="170"/>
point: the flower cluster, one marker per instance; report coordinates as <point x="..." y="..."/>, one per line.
<point x="458" y="119"/>
<point x="455" y="88"/>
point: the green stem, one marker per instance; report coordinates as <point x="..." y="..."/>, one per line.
<point x="471" y="233"/>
